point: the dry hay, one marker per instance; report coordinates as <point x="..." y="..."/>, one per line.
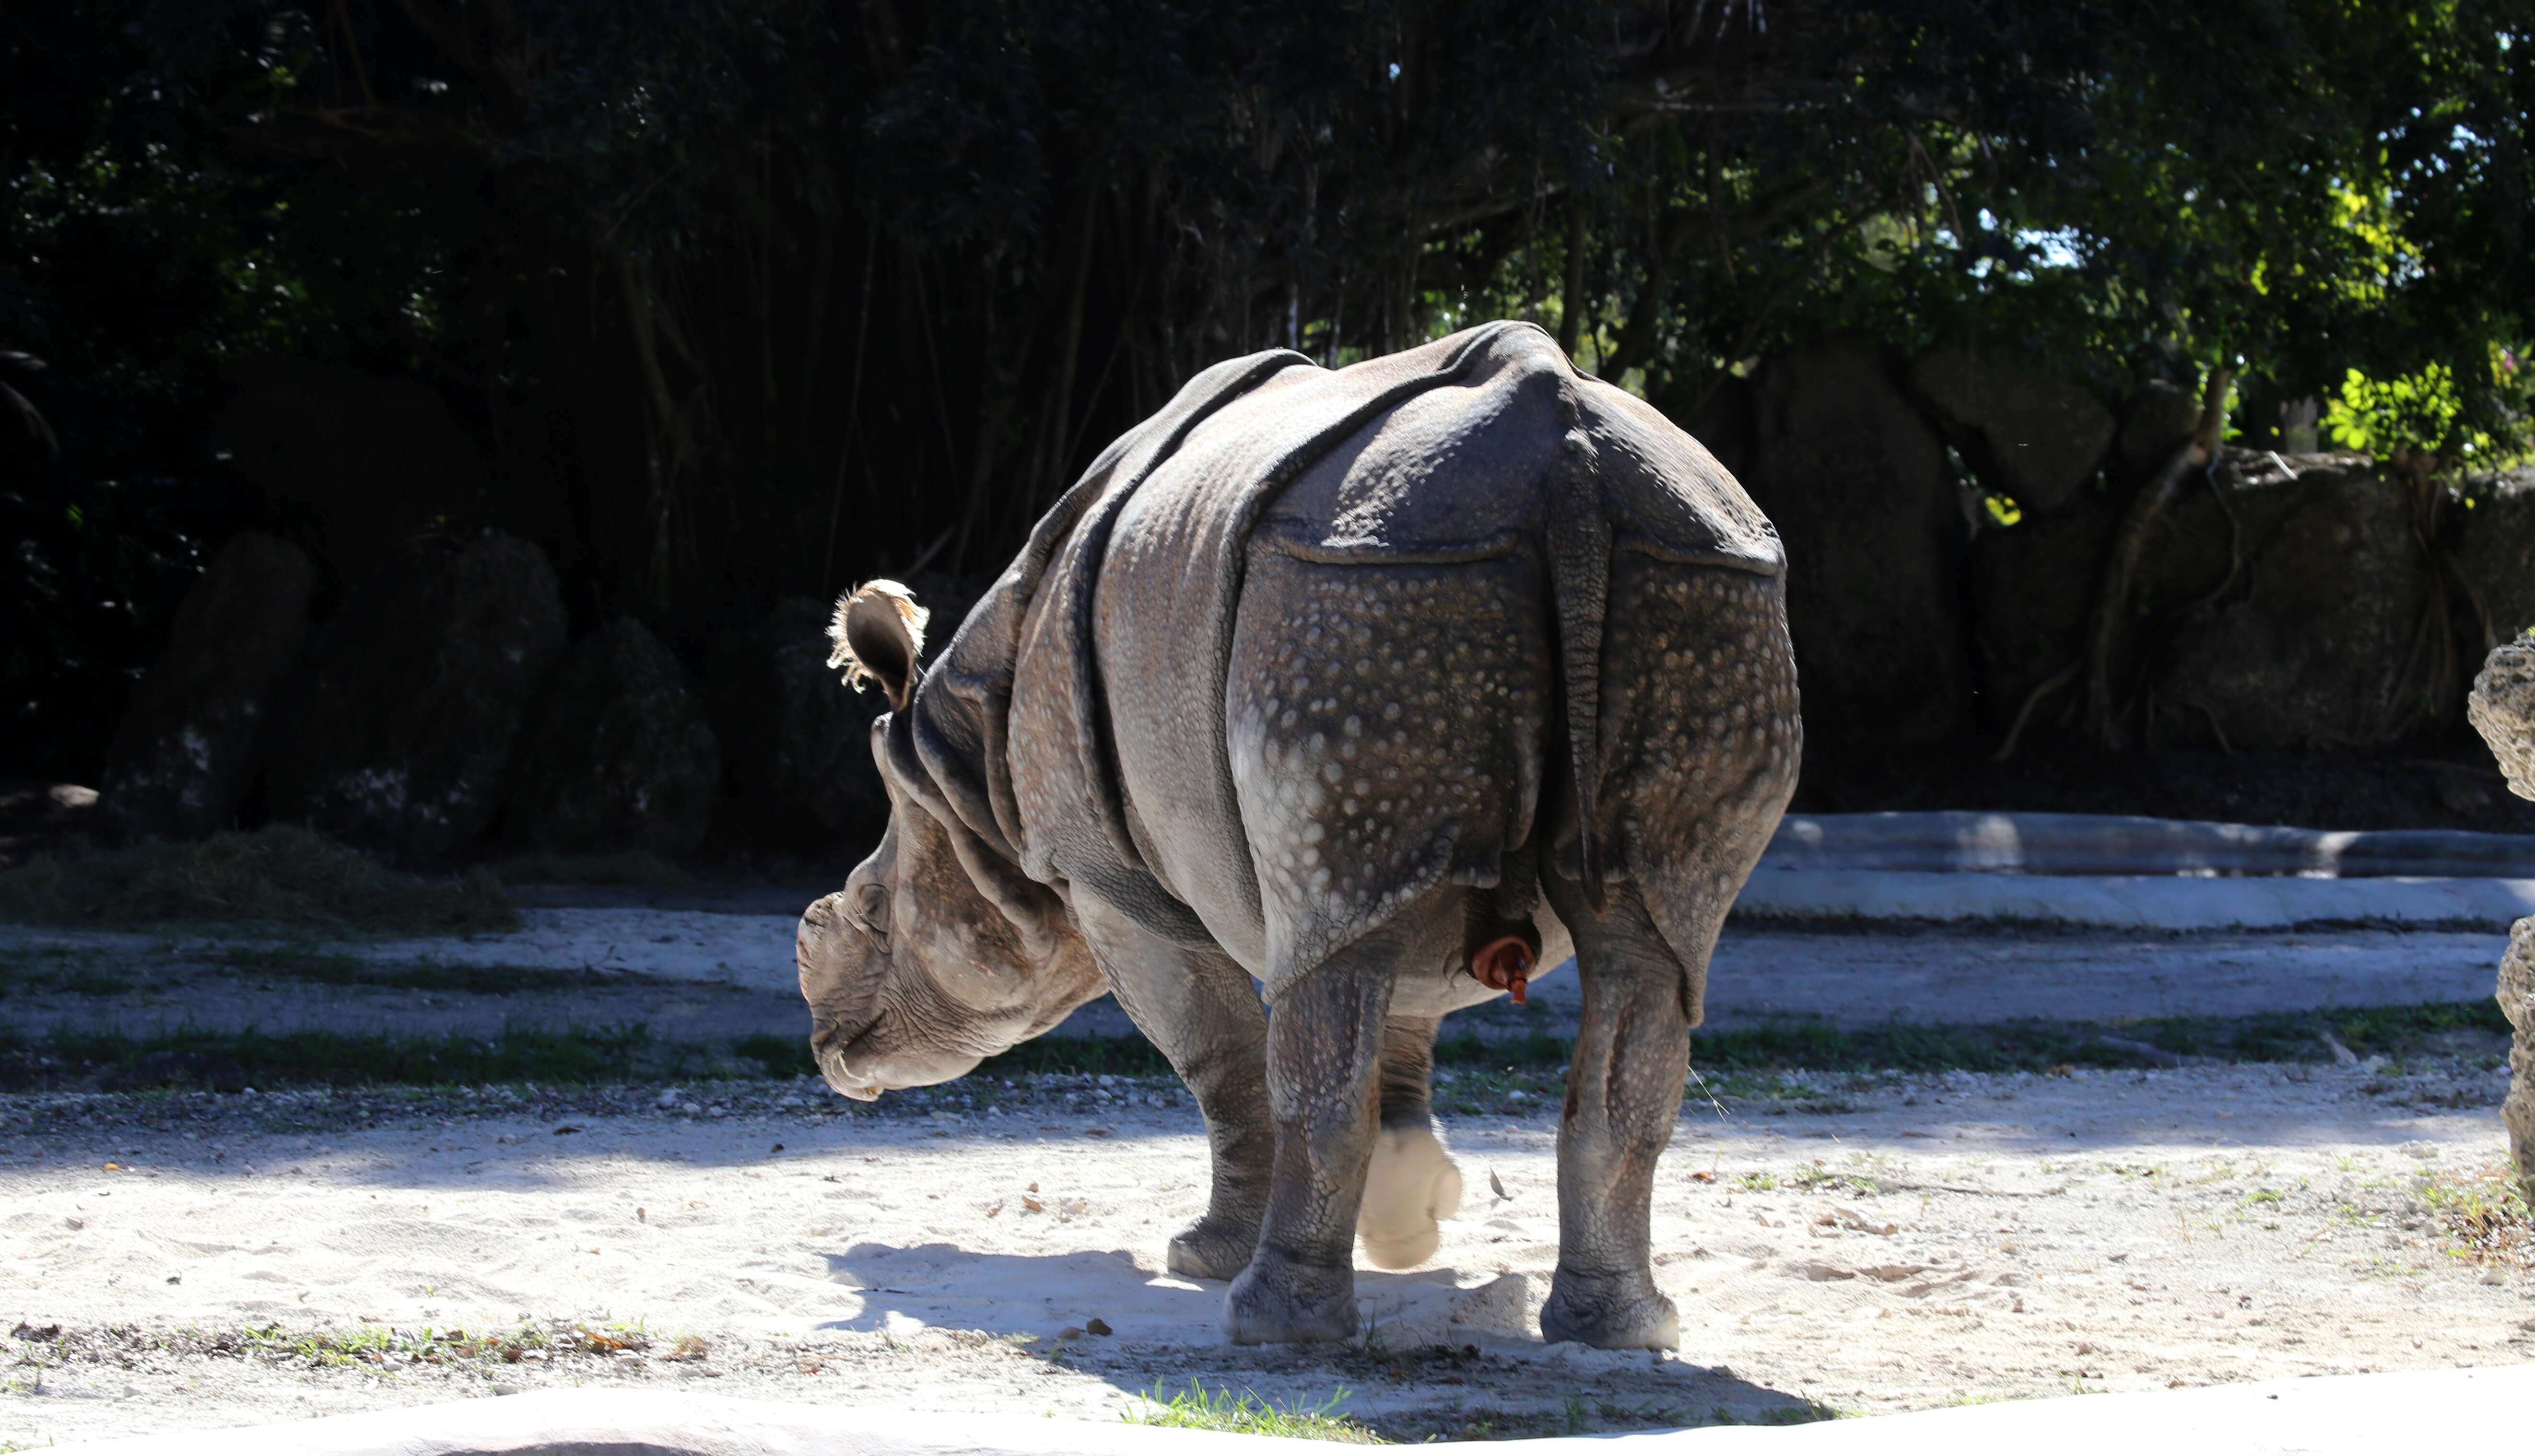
<point x="280" y="878"/>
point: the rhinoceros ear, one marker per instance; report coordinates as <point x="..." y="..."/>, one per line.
<point x="879" y="632"/>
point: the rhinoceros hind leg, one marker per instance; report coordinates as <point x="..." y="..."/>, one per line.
<point x="1623" y="1092"/>
<point x="1323" y="1067"/>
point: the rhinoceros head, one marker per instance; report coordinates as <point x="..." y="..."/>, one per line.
<point x="913" y="972"/>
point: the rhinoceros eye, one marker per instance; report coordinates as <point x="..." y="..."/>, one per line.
<point x="870" y="909"/>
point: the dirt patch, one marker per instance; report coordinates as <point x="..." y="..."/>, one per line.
<point x="277" y="878"/>
<point x="1841" y="1242"/>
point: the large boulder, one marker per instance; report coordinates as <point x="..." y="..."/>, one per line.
<point x="1859" y="487"/>
<point x="796" y="740"/>
<point x="2502" y="709"/>
<point x="183" y="759"/>
<point x="2157" y="422"/>
<point x="2494" y="555"/>
<point x="2034" y="586"/>
<point x="620" y="755"/>
<point x="2316" y="640"/>
<point x="401" y="735"/>
<point x="2028" y="433"/>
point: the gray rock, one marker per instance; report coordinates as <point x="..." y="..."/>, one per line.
<point x="2494" y="555"/>
<point x="2034" y="587"/>
<point x="400" y="736"/>
<point x="2516" y="996"/>
<point x="1860" y="490"/>
<point x="2313" y="643"/>
<point x="2155" y="425"/>
<point x="183" y="759"/>
<point x="620" y="755"/>
<point x="796" y="740"/>
<point x="2030" y="434"/>
<point x="2503" y="710"/>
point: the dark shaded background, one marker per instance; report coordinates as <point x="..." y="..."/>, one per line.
<point x="725" y="304"/>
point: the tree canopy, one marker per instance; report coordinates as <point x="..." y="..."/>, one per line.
<point x="747" y="298"/>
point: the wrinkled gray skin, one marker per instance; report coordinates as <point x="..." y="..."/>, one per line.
<point x="1316" y="682"/>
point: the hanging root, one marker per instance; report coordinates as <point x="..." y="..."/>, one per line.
<point x="2129" y="544"/>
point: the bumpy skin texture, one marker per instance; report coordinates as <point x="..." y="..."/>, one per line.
<point x="1314" y="684"/>
<point x="2517" y="1000"/>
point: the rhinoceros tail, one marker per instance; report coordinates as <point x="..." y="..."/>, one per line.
<point x="1579" y="582"/>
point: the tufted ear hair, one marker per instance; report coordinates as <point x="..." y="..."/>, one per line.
<point x="879" y="632"/>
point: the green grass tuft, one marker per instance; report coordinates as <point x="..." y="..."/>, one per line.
<point x="227" y="1060"/>
<point x="1196" y="1409"/>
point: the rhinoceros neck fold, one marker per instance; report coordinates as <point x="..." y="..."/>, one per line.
<point x="950" y="749"/>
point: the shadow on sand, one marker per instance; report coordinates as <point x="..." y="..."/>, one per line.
<point x="1441" y="1351"/>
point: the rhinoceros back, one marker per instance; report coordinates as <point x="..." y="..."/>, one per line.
<point x="1306" y="663"/>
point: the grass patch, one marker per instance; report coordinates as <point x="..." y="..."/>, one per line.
<point x="335" y="968"/>
<point x="777" y="1056"/>
<point x="280" y="878"/>
<point x="1518" y="1075"/>
<point x="1529" y="1064"/>
<point x="1247" y="1414"/>
<point x="379" y="1345"/>
<point x="1079" y="1056"/>
<point x="230" y="1060"/>
<point x="2485" y="1214"/>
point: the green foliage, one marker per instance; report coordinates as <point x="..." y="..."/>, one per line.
<point x="746" y="299"/>
<point x="2425" y="414"/>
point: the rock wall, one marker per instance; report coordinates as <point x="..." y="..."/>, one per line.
<point x="2494" y="551"/>
<point x="399" y="735"/>
<point x="2299" y="625"/>
<point x="620" y="755"/>
<point x="1859" y="486"/>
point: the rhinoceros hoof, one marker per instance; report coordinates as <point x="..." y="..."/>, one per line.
<point x="1214" y="1247"/>
<point x="1411" y="1185"/>
<point x="1609" y="1315"/>
<point x="1277" y="1302"/>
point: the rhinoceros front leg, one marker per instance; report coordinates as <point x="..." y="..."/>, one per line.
<point x="1323" y="1075"/>
<point x="1623" y="1090"/>
<point x="1200" y="1009"/>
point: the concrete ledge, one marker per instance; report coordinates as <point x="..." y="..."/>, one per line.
<point x="2133" y="844"/>
<point x="2163" y="902"/>
<point x="2359" y="1415"/>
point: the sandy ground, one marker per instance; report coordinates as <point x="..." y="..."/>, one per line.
<point x="1872" y="1245"/>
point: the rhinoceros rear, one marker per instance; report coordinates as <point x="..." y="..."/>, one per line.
<point x="1349" y="633"/>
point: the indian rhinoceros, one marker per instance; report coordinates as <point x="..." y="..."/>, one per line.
<point x="1326" y="702"/>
